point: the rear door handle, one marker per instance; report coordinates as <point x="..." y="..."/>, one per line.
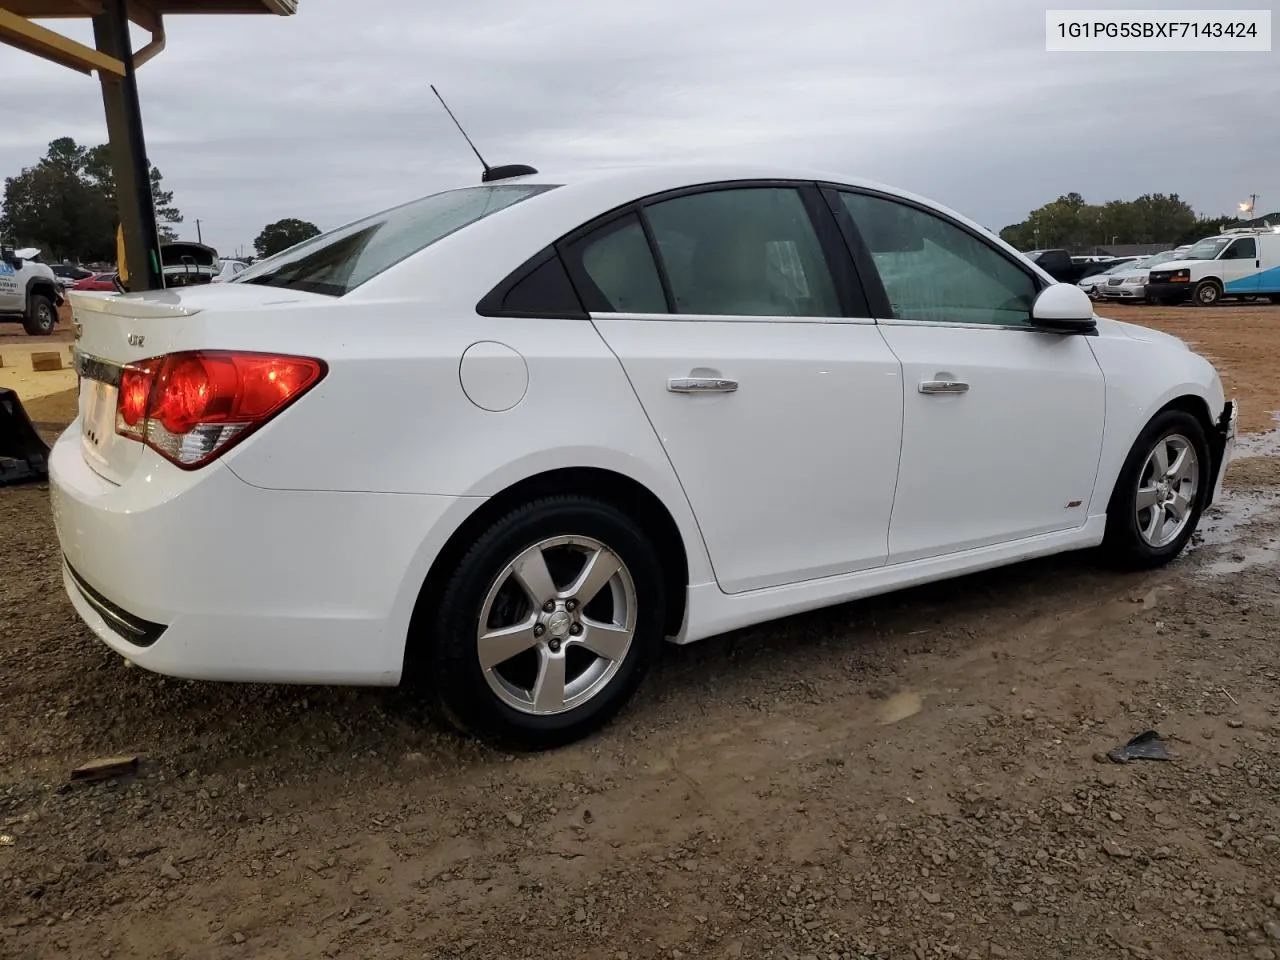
<point x="943" y="386"/>
<point x="702" y="385"/>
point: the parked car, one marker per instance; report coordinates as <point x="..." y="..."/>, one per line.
<point x="29" y="291"/>
<point x="1244" y="262"/>
<point x="1131" y="284"/>
<point x="185" y="263"/>
<point x="68" y="273"/>
<point x="97" y="281"/>
<point x="1091" y="283"/>
<point x="579" y="415"/>
<point x="1060" y="265"/>
<point x="227" y="269"/>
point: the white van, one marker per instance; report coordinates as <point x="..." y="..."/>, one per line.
<point x="1244" y="262"/>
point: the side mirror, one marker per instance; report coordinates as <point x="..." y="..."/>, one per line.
<point x="1063" y="307"/>
<point x="9" y="257"/>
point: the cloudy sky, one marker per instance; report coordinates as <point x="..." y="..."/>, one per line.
<point x="327" y="115"/>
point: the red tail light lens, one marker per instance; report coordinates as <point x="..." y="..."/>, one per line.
<point x="192" y="407"/>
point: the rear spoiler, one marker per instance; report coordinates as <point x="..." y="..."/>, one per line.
<point x="151" y="305"/>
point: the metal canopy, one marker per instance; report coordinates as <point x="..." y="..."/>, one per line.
<point x="114" y="60"/>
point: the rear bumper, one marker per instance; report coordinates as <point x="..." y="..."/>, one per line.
<point x="201" y="575"/>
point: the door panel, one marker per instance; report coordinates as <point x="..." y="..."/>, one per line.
<point x="1240" y="266"/>
<point x="790" y="475"/>
<point x="1013" y="455"/>
<point x="1002" y="423"/>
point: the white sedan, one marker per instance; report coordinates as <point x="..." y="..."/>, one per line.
<point x="514" y="435"/>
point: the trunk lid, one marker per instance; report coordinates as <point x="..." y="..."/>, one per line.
<point x="113" y="330"/>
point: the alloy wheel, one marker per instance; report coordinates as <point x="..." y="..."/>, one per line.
<point x="556" y="625"/>
<point x="1167" y="487"/>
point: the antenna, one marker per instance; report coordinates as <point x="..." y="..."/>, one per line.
<point x="460" y="130"/>
<point x="490" y="173"/>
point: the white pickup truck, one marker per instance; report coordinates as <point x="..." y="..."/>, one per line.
<point x="29" y="291"/>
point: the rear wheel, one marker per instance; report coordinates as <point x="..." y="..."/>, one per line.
<point x="547" y="626"/>
<point x="41" y="317"/>
<point x="1207" y="293"/>
<point x="1160" y="492"/>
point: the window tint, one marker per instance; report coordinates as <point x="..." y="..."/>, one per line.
<point x="748" y="251"/>
<point x="1246" y="248"/>
<point x="618" y="269"/>
<point x="544" y="290"/>
<point x="933" y="270"/>
<point x="340" y="260"/>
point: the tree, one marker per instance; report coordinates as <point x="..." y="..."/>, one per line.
<point x="65" y="204"/>
<point x="1070" y="222"/>
<point x="98" y="169"/>
<point x="283" y="234"/>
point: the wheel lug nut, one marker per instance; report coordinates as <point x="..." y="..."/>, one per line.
<point x="539" y="629"/>
<point x="576" y="629"/>
<point x="548" y="606"/>
<point x="571" y="604"/>
<point x="554" y="645"/>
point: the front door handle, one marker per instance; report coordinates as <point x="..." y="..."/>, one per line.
<point x="702" y="385"/>
<point x="943" y="386"/>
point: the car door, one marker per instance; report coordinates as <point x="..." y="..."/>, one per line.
<point x="736" y="316"/>
<point x="1241" y="267"/>
<point x="1002" y="423"/>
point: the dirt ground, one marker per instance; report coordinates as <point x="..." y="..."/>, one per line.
<point x="916" y="776"/>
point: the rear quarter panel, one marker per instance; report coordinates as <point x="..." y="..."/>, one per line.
<point x="392" y="417"/>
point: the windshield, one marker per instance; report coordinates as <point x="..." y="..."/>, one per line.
<point x="1207" y="249"/>
<point x="1120" y="267"/>
<point x="337" y="262"/>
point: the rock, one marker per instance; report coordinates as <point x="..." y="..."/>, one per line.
<point x="514" y="818"/>
<point x="998" y="951"/>
<point x="1113" y="849"/>
<point x="1116" y="816"/>
<point x="1020" y="908"/>
<point x="931" y="897"/>
<point x="1275" y="900"/>
<point x="1235" y="724"/>
<point x="167" y="869"/>
<point x="1070" y="811"/>
<point x="238" y="937"/>
<point x="580" y="915"/>
<point x="1272" y="929"/>
<point x="1263" y="953"/>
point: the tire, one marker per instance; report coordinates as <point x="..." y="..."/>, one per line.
<point x="1129" y="539"/>
<point x="41" y="317"/>
<point x="1275" y="298"/>
<point x="497" y="703"/>
<point x="1207" y="293"/>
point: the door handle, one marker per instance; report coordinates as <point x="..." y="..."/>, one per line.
<point x="702" y="385"/>
<point x="943" y="386"/>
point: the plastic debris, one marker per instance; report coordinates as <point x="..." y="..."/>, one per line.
<point x="1145" y="746"/>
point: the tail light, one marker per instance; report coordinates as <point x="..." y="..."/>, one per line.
<point x="192" y="407"/>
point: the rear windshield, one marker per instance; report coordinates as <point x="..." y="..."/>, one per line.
<point x="337" y="262"/>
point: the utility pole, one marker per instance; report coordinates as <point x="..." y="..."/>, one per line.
<point x="199" y="236"/>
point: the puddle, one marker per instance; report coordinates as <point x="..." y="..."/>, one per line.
<point x="1258" y="444"/>
<point x="1244" y="558"/>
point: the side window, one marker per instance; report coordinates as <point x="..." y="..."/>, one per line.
<point x="616" y="268"/>
<point x="1246" y="248"/>
<point x="934" y="270"/>
<point x="744" y="251"/>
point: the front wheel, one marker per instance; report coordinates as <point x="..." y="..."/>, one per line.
<point x="547" y="625"/>
<point x="41" y="317"/>
<point x="1160" y="492"/>
<point x="1207" y="293"/>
